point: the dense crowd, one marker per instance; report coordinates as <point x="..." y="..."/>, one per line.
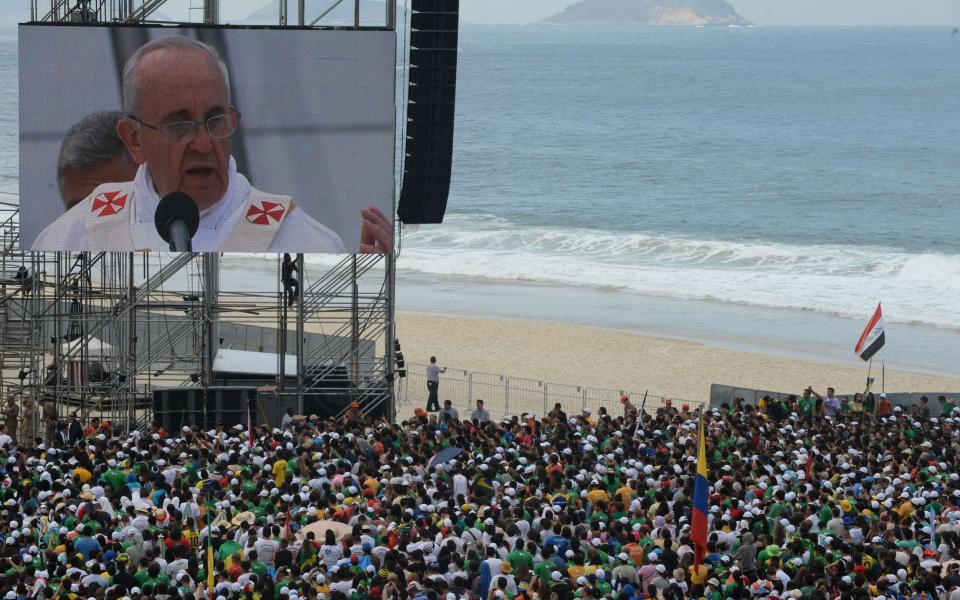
<point x="807" y="500"/>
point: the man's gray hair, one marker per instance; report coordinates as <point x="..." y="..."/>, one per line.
<point x="133" y="87"/>
<point x="92" y="141"/>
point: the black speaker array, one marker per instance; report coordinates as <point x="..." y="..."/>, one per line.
<point x="434" y="26"/>
<point x="176" y="407"/>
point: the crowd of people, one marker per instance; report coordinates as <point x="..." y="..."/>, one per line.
<point x="805" y="502"/>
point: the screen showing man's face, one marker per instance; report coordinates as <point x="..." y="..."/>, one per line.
<point x="181" y="85"/>
<point x="312" y="169"/>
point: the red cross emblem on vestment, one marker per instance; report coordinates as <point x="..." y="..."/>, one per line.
<point x="108" y="203"/>
<point x="262" y="214"/>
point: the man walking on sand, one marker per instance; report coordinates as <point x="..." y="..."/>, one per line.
<point x="433" y="384"/>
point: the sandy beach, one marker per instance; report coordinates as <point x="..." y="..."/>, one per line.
<point x="596" y="357"/>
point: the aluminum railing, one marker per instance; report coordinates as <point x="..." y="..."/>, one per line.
<point x="503" y="394"/>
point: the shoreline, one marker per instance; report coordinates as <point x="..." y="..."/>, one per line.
<point x="613" y="358"/>
<point x="788" y="333"/>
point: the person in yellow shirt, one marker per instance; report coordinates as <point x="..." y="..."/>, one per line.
<point x="699" y="576"/>
<point x="905" y="510"/>
<point x="625" y="495"/>
<point x="586" y="416"/>
<point x="279" y="471"/>
<point x="598" y="495"/>
<point x="81" y="474"/>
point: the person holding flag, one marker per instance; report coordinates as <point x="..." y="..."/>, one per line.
<point x="698" y="519"/>
<point x="210" y="564"/>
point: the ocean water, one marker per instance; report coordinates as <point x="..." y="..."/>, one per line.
<point x="749" y="187"/>
<point x="758" y="188"/>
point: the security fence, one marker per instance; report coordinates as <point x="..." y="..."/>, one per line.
<point x="504" y="395"/>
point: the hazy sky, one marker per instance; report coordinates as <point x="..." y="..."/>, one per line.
<point x="763" y="12"/>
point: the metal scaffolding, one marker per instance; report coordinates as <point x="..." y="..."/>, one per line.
<point x="97" y="333"/>
<point x="200" y="11"/>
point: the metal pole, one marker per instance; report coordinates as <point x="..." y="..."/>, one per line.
<point x="82" y="357"/>
<point x="391" y="15"/>
<point x="300" y="324"/>
<point x="301" y="12"/>
<point x="283" y="12"/>
<point x="211" y="12"/>
<point x="281" y="330"/>
<point x="132" y="351"/>
<point x="355" y="327"/>
<point x="506" y="395"/>
<point x="211" y="279"/>
<point x="356" y="14"/>
<point x="388" y="353"/>
<point x="56" y="331"/>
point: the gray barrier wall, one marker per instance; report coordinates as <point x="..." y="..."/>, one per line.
<point x="720" y="394"/>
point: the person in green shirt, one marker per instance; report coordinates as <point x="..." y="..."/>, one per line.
<point x="946" y="406"/>
<point x="542" y="570"/>
<point x="518" y="556"/>
<point x="771" y="552"/>
<point x="151" y="576"/>
<point x="258" y="568"/>
<point x="115" y="478"/>
<point x="807" y="403"/>
<point x="284" y="580"/>
<point x="226" y="549"/>
<point x="606" y="590"/>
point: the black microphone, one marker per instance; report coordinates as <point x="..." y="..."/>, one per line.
<point x="177" y="219"/>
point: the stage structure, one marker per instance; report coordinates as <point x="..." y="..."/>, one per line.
<point x="100" y="333"/>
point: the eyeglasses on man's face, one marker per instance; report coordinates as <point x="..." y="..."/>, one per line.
<point x="183" y="132"/>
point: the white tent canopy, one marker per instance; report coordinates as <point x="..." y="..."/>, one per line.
<point x="96" y="348"/>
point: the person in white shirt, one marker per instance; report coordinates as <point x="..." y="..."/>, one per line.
<point x="331" y="551"/>
<point x="177" y="127"/>
<point x="460" y="486"/>
<point x="449" y="412"/>
<point x="266" y="547"/>
<point x="433" y="384"/>
<point x="481" y="415"/>
<point x="831" y="404"/>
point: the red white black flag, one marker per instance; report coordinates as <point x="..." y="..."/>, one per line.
<point x="872" y="338"/>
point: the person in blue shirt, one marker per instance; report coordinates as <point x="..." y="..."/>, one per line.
<point x="87" y="544"/>
<point x="557" y="540"/>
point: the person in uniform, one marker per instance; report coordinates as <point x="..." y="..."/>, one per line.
<point x="12" y="417"/>
<point x="177" y="127"/>
<point x="50" y="419"/>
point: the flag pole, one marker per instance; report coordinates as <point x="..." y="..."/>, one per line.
<point x="869" y="368"/>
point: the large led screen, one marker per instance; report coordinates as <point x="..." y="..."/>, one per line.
<point x="282" y="139"/>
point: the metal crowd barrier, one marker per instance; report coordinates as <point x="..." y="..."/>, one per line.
<point x="504" y="395"/>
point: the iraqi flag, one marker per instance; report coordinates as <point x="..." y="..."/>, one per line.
<point x="698" y="520"/>
<point x="872" y="338"/>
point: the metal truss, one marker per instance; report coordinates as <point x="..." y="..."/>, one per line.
<point x="199" y="11"/>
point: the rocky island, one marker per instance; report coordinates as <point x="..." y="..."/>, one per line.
<point x="631" y="13"/>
